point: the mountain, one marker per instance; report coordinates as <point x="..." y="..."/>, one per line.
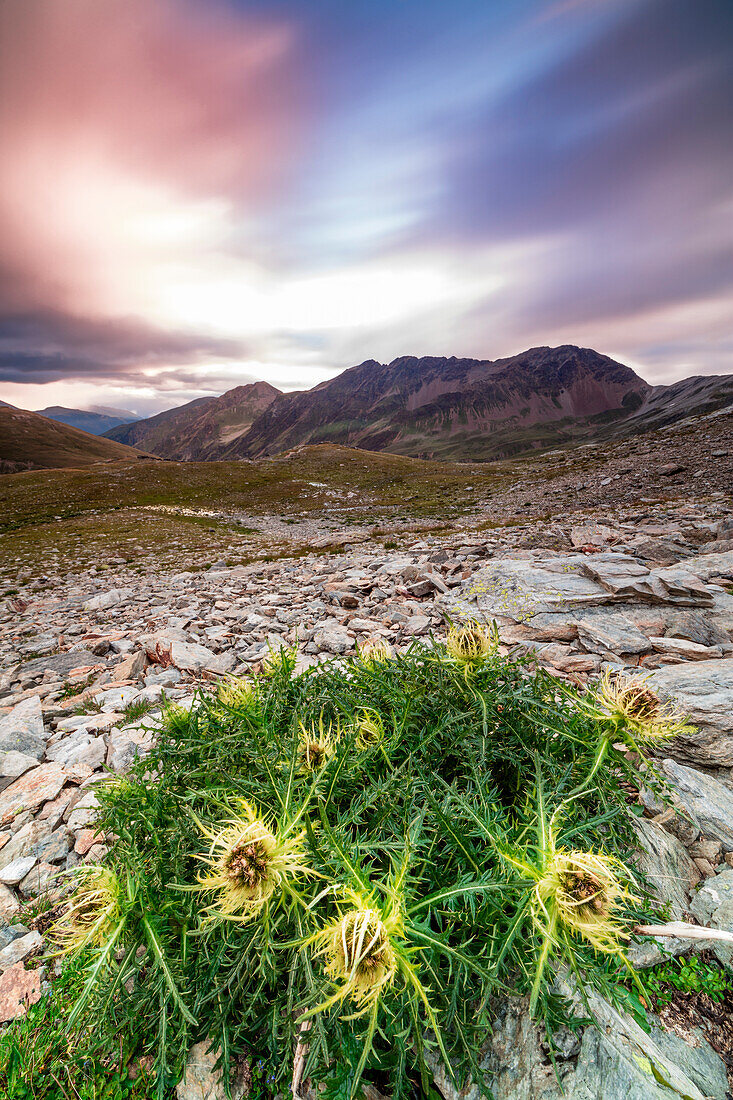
<point x="95" y="421"/>
<point x="468" y="409"/>
<point x="202" y="429"/>
<point x="29" y="439"/>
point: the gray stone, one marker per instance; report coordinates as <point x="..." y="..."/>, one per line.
<point x="9" y="904"/>
<point x="683" y="650"/>
<point x="109" y="598"/>
<point x="333" y="638"/>
<point x="30" y="791"/>
<point x="79" y="748"/>
<point x="14" y="764"/>
<point x="25" y="841"/>
<point x="22" y="730"/>
<point x="705" y="798"/>
<point x="19" y="949"/>
<point x="617" y="1061"/>
<point x="17" y="870"/>
<point x="203" y="1081"/>
<point x="667" y="867"/>
<point x="703" y="691"/>
<point x="61" y="663"/>
<point x="713" y="907"/>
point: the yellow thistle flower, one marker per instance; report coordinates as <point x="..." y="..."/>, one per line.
<point x="316" y="746"/>
<point x="236" y="693"/>
<point x="360" y="957"/>
<point x="247" y="862"/>
<point x="582" y="891"/>
<point x="470" y="643"/>
<point x="369" y="730"/>
<point x="375" y="652"/>
<point x="278" y="660"/>
<point x="632" y="703"/>
<point x="94" y="913"/>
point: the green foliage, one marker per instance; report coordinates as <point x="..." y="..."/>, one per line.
<point x="136" y="710"/>
<point x="285" y="878"/>
<point x="686" y="975"/>
<point x="40" y="1060"/>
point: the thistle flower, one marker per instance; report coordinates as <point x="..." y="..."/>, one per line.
<point x="316" y="746"/>
<point x="582" y="891"/>
<point x="468" y="644"/>
<point x="369" y="730"/>
<point x="236" y="693"/>
<point x="375" y="652"/>
<point x="360" y="957"/>
<point x="94" y="913"/>
<point x="280" y="660"/>
<point x="247" y="862"/>
<point x="632" y="704"/>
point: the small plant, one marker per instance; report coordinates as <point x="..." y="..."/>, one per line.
<point x="136" y="710"/>
<point x="686" y="975"/>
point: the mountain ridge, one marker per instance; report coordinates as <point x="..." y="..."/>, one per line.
<point x="195" y="431"/>
<point x="433" y="407"/>
<point x="94" y="421"/>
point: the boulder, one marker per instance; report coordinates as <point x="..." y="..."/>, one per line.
<point x="18" y="989"/>
<point x="203" y="1081"/>
<point x="22" y="729"/>
<point x="705" y="799"/>
<point x="703" y="692"/>
<point x="713" y="907"/>
<point x="30" y="791"/>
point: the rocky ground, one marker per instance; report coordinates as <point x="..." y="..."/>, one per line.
<point x="87" y="657"/>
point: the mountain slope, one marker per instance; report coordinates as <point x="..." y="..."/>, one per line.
<point x="452" y="408"/>
<point x="87" y="420"/>
<point x="201" y="429"/>
<point x="28" y="438"/>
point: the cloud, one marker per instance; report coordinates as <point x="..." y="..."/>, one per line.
<point x="135" y="136"/>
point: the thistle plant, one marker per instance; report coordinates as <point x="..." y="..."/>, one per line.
<point x="635" y="711"/>
<point x="375" y="652"/>
<point x="247" y="862"/>
<point x="382" y="861"/>
<point x="468" y="645"/>
<point x="316" y="746"/>
<point x="236" y="693"/>
<point x="369" y="729"/>
<point x="94" y="912"/>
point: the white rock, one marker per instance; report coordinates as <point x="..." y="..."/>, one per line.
<point x="17" y="870"/>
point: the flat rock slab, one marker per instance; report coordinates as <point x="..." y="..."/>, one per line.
<point x="703" y="691"/>
<point x="22" y="729"/>
<point x="522" y="589"/>
<point x="18" y="989"/>
<point x="61" y="663"/>
<point x="705" y="798"/>
<point x="706" y="566"/>
<point x="31" y="791"/>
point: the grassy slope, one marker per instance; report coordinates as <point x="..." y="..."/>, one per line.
<point x="27" y="437"/>
<point x="304" y="480"/>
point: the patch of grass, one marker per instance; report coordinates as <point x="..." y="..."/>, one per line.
<point x="136" y="710"/>
<point x="70" y="690"/>
<point x="374" y="850"/>
<point x="40" y="1060"/>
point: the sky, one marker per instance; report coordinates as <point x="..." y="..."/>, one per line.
<point x="195" y="194"/>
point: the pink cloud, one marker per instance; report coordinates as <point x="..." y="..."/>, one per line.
<point x="118" y="118"/>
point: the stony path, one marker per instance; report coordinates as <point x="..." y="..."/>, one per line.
<point x="80" y="661"/>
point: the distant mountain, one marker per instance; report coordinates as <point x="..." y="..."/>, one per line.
<point x="29" y="438"/>
<point x="202" y="429"/>
<point x="96" y="421"/>
<point x="468" y="409"/>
